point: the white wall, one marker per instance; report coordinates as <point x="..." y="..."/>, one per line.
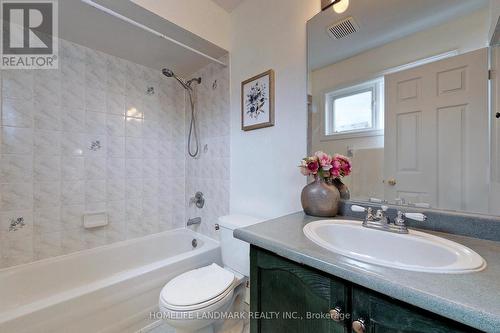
<point x="265" y="179"/>
<point x="473" y="34"/>
<point x="494" y="14"/>
<point x="201" y="17"/>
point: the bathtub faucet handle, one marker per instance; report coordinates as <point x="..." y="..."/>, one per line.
<point x="198" y="200"/>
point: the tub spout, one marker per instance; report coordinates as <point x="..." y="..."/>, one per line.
<point x="196" y="220"/>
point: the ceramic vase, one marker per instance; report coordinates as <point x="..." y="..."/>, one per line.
<point x="320" y="199"/>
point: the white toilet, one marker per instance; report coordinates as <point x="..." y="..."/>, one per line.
<point x="193" y="301"/>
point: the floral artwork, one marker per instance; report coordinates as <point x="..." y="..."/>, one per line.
<point x="322" y="165"/>
<point x="257" y="101"/>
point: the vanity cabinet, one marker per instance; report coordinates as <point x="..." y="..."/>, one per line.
<point x="382" y="314"/>
<point x="287" y="297"/>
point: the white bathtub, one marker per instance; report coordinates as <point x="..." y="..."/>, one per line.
<point x="107" y="289"/>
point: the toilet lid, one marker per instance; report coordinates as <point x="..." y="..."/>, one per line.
<point x="197" y="286"/>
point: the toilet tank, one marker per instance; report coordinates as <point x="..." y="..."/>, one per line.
<point x="235" y="253"/>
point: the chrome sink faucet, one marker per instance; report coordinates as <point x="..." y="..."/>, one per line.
<point x="380" y="221"/>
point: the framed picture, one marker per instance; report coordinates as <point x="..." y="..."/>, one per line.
<point x="257" y="101"/>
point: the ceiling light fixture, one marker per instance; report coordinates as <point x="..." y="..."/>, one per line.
<point x="340" y="6"/>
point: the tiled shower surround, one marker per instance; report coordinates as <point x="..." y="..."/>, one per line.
<point x="89" y="138"/>
<point x="209" y="173"/>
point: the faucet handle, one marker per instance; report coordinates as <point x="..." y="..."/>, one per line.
<point x="416" y="216"/>
<point x="358" y="209"/>
<point x="361" y="209"/>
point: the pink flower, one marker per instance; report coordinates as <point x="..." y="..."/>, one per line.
<point x="335" y="171"/>
<point x="313" y="166"/>
<point x="345" y="165"/>
<point x="325" y="160"/>
<point x="303" y="168"/>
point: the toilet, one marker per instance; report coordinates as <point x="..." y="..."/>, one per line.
<point x="194" y="301"/>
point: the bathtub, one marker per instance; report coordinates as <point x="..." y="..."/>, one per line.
<point x="111" y="288"/>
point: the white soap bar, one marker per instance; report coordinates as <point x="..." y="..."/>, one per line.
<point x="94" y="220"/>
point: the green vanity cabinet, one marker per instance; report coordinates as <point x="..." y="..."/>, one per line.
<point x="287" y="297"/>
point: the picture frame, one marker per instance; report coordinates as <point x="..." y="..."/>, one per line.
<point x="257" y="101"/>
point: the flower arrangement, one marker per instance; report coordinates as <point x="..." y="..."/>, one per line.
<point x="326" y="167"/>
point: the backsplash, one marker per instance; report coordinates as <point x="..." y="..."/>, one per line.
<point x="98" y="134"/>
<point x="458" y="223"/>
<point x="209" y="172"/>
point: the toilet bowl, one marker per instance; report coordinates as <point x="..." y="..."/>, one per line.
<point x="198" y="300"/>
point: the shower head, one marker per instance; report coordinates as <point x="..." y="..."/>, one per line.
<point x="186" y="84"/>
<point x="169" y="73"/>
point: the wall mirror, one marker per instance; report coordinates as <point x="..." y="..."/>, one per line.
<point x="408" y="92"/>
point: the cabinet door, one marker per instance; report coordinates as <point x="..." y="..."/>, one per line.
<point x="386" y="315"/>
<point x="290" y="298"/>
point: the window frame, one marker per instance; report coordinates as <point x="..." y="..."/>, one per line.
<point x="376" y="87"/>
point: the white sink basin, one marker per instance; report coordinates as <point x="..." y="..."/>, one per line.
<point x="416" y="251"/>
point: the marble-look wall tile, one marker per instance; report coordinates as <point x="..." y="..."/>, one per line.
<point x="47" y="142"/>
<point x="47" y="244"/>
<point x="87" y="138"/>
<point x="47" y="168"/>
<point x="47" y="117"/>
<point x="16" y="168"/>
<point x="47" y="220"/>
<point x="115" y="125"/>
<point x="17" y="84"/>
<point x="95" y="122"/>
<point x="17" y="112"/>
<point x="16" y="196"/>
<point x="16" y="140"/>
<point x="72" y="168"/>
<point x="73" y="192"/>
<point x="73" y="119"/>
<point x="72" y="144"/>
<point x="116" y="146"/>
<point x="46" y="194"/>
<point x="210" y="172"/>
<point x="47" y="87"/>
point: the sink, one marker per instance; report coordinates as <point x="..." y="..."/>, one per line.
<point x="415" y="251"/>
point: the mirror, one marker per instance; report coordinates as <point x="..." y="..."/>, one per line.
<point x="403" y="90"/>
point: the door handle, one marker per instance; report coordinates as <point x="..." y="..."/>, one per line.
<point x="391" y="181"/>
